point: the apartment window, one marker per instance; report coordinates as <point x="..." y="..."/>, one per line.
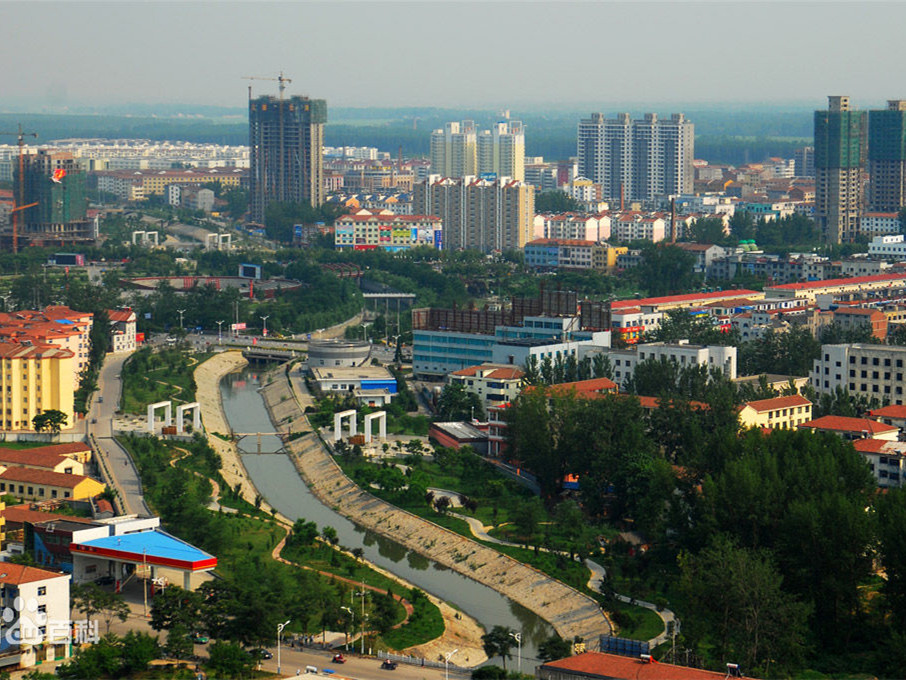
<point x="875" y="362"/>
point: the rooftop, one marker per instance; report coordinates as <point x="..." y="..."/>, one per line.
<point x="691" y="297"/>
<point x="154" y="547"/>
<point x="845" y="424"/>
<point x="30" y="476"/>
<point x="892" y="411"/>
<point x="351" y="373"/>
<point x="16" y="574"/>
<point x="856" y="280"/>
<point x="613" y="667"/>
<point x="460" y="430"/>
<point x="792" y="401"/>
<point x="493" y="371"/>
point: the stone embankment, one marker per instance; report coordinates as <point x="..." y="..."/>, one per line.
<point x="570" y="612"/>
<point x="207" y="379"/>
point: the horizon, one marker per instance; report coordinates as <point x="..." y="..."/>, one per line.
<point x="452" y="54"/>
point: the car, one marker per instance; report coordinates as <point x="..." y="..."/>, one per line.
<point x="388" y="665"/>
<point x="100" y="400"/>
<point x="261" y="653"/>
<point x="338" y="658"/>
<point x="105" y="581"/>
<point x="199" y="639"/>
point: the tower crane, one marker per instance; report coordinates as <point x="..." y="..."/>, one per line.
<point x="279" y="79"/>
<point x="20" y="199"/>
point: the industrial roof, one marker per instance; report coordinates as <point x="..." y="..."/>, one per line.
<point x="152" y="547"/>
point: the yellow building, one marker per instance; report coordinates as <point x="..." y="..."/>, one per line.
<point x="604" y="256"/>
<point x="34" y="378"/>
<point x="139" y="184"/>
<point x="43" y="485"/>
<point x="779" y="413"/>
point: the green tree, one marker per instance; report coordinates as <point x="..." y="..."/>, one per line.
<point x="101" y="660"/>
<point x="498" y="642"/>
<point x="665" y="269"/>
<point x="457" y="403"/>
<point x="556" y="201"/>
<point x="229" y="660"/>
<point x="174" y="607"/>
<point x="891" y="524"/>
<point x="706" y="230"/>
<point x="50" y="420"/>
<point x="179" y="641"/>
<point x="737" y="604"/>
<point x="553" y="648"/>
<point x="138" y="650"/>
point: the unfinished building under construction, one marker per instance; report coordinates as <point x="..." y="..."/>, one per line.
<point x="54" y="182"/>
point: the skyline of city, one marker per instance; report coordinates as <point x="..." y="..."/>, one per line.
<point x="377" y="54"/>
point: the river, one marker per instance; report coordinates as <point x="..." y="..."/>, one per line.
<point x="278" y="481"/>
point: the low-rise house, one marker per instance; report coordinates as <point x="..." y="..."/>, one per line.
<point x="600" y="666"/>
<point x="43" y="485"/>
<point x="891" y="415"/>
<point x="886" y="459"/>
<point x="853" y="428"/>
<point x="493" y="383"/>
<point x="779" y="413"/>
<point x="371" y="385"/>
<point x="37" y="459"/>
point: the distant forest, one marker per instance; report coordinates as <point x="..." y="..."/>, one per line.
<point x="723" y="134"/>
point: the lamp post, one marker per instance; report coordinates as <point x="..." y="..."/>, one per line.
<point x="220" y="332"/>
<point x="352" y="614"/>
<point x="180" y="311"/>
<point x="518" y="638"/>
<point x="280" y="627"/>
<point x="447" y="657"/>
<point x="264" y="319"/>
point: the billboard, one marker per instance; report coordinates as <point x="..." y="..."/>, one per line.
<point x="488" y="176"/>
<point x="250" y="271"/>
<point x="237" y="326"/>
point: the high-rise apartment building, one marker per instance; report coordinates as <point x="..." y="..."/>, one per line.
<point x="53" y="180"/>
<point x="839" y="159"/>
<point x="454" y="150"/>
<point x="637" y="159"/>
<point x="480" y="214"/>
<point x="501" y="150"/>
<point x="460" y="150"/>
<point x="286" y="140"/>
<point x="804" y="162"/>
<point x="887" y="157"/>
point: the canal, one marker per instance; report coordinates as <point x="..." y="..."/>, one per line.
<point x="276" y="478"/>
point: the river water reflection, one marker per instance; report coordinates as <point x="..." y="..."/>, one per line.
<point x="276" y="478"/>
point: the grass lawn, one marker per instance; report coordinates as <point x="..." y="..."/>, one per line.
<point x="645" y="624"/>
<point x="152" y="377"/>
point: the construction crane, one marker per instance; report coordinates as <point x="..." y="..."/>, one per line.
<point x="280" y="79"/>
<point x="20" y="199"/>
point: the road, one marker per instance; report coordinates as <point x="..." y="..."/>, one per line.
<point x="364" y="668"/>
<point x="100" y="423"/>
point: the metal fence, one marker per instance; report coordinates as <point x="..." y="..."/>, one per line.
<point x="426" y="663"/>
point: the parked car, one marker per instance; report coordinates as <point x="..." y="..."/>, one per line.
<point x="388" y="665"/>
<point x="338" y="658"/>
<point x="199" y="639"/>
<point x="261" y="653"/>
<point x="105" y="581"/>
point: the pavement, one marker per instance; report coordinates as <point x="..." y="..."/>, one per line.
<point x="101" y="415"/>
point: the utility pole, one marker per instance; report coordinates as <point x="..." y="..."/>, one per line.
<point x="518" y="638"/>
<point x="180" y="312"/>
<point x="220" y="332"/>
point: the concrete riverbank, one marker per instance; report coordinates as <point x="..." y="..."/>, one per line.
<point x="570" y="612"/>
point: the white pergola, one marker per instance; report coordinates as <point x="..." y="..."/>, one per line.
<point x="195" y="408"/>
<point x="381" y="417"/>
<point x="168" y="414"/>
<point x="338" y="424"/>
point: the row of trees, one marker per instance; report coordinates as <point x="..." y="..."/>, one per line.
<point x="768" y="536"/>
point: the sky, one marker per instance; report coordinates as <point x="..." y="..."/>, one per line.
<point x="450" y="54"/>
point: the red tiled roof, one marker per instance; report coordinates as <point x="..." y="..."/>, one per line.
<point x="29" y="476"/>
<point x="861" y="311"/>
<point x="15" y="350"/>
<point x="613" y="667"/>
<point x="845" y="424"/>
<point x="808" y="285"/>
<point x="16" y="574"/>
<point x="496" y="372"/>
<point x="29" y="457"/>
<point x="589" y="389"/>
<point x="61" y="449"/>
<point x="122" y="315"/>
<point x="778" y="402"/>
<point x="892" y="411"/>
<point x="690" y="297"/>
<point x="19" y="514"/>
<point x="651" y="403"/>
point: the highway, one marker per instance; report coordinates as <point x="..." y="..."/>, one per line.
<point x="104" y="405"/>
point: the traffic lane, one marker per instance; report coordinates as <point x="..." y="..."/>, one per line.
<point x="361" y="668"/>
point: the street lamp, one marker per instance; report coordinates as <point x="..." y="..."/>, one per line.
<point x="180" y="318"/>
<point x="352" y="614"/>
<point x="280" y="627"/>
<point x="264" y="319"/>
<point x="220" y="332"/>
<point x="518" y="638"/>
<point x="447" y="657"/>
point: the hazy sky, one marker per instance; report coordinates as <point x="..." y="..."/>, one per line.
<point x="451" y="53"/>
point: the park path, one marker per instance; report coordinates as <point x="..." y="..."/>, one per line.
<point x="570" y="612"/>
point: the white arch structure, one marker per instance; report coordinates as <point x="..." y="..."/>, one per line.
<point x="168" y="414"/>
<point x="338" y="424"/>
<point x="381" y="417"/>
<point x="195" y="408"/>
